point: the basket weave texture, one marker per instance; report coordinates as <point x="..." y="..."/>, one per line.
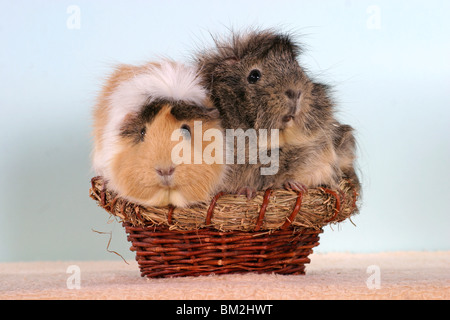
<point x="273" y="233"/>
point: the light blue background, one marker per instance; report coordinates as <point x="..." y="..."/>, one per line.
<point x="392" y="84"/>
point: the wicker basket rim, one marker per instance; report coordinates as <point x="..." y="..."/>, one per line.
<point x="269" y="210"/>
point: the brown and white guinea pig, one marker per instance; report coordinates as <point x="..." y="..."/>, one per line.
<point x="138" y="111"/>
<point x="256" y="82"/>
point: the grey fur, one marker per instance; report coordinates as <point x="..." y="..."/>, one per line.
<point x="284" y="91"/>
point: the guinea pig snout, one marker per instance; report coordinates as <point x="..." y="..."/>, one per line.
<point x="165" y="172"/>
<point x="165" y="175"/>
<point x="293" y="104"/>
<point x="290" y="115"/>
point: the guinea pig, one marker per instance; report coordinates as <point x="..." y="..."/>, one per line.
<point x="256" y="82"/>
<point x="141" y="115"/>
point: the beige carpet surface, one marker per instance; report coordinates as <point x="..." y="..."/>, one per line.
<point x="398" y="275"/>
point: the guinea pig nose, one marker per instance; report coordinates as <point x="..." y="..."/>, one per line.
<point x="165" y="172"/>
<point x="293" y="94"/>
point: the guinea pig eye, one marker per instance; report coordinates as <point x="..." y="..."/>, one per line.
<point x="143" y="131"/>
<point x="186" y="130"/>
<point x="254" y="76"/>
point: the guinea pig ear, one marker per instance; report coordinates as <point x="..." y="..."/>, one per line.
<point x="284" y="42"/>
<point x="206" y="65"/>
<point x="208" y="62"/>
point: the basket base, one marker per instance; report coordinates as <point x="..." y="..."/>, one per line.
<point x="161" y="252"/>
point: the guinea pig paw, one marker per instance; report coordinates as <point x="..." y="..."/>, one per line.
<point x="250" y="193"/>
<point x="295" y="186"/>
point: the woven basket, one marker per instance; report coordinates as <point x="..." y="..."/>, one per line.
<point x="273" y="233"/>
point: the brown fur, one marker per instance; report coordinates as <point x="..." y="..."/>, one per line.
<point x="133" y="172"/>
<point x="134" y="167"/>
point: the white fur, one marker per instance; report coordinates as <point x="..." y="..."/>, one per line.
<point x="168" y="80"/>
<point x="162" y="197"/>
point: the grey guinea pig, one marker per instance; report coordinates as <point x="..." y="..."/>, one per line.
<point x="256" y="82"/>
